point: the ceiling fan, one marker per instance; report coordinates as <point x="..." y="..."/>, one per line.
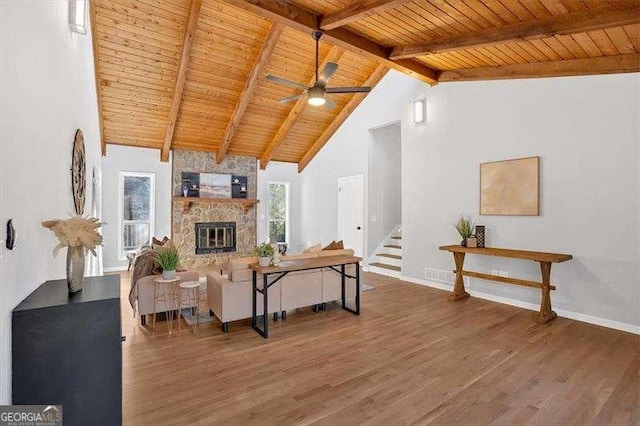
<point x="318" y="92"/>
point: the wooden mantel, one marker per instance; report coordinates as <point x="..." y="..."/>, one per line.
<point x="187" y="202"/>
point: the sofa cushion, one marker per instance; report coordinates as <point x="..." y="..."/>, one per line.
<point x="241" y="275"/>
<point x="313" y="249"/>
<point x="241" y="263"/>
<point x="343" y="252"/>
<point x="299" y="256"/>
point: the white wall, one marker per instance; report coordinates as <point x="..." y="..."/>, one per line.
<point x="346" y="155"/>
<point x="385" y="189"/>
<point x="47" y="91"/>
<point x="131" y="159"/>
<point x="587" y="131"/>
<point x="280" y="172"/>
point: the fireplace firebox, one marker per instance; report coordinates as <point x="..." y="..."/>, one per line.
<point x="215" y="237"/>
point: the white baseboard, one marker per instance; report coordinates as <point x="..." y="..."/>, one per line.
<point x="604" y="322"/>
<point x="115" y="269"/>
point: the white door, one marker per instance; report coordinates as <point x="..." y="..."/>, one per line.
<point x="350" y="212"/>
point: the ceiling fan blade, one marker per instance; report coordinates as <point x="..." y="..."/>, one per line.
<point x="329" y="103"/>
<point x="326" y="74"/>
<point x="348" y="89"/>
<point x="291" y="98"/>
<point x="285" y="82"/>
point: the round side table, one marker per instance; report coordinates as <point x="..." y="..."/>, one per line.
<point x="189" y="298"/>
<point x="165" y="291"/>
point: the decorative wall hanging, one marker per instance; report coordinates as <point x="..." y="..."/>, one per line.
<point x="239" y="187"/>
<point x="190" y="184"/>
<point x="510" y="187"/>
<point x="78" y="172"/>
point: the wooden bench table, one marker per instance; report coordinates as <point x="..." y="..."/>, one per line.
<point x="545" y="260"/>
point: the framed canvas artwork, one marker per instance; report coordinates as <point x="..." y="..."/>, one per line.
<point x="213" y="185"/>
<point x="510" y="187"/>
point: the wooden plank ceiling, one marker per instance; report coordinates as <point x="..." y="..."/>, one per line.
<point x="189" y="74"/>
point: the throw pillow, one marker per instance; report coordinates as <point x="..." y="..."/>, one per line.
<point x="313" y="249"/>
<point x="165" y="242"/>
<point x="334" y="245"/>
<point x="330" y="246"/>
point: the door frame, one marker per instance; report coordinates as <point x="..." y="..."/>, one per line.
<point x="359" y="178"/>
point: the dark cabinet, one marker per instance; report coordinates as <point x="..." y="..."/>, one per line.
<point x="67" y="350"/>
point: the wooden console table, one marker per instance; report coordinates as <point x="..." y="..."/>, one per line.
<point x="545" y="260"/>
<point x="331" y="262"/>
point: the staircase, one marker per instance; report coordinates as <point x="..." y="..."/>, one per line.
<point x="387" y="259"/>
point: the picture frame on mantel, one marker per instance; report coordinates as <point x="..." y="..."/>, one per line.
<point x="510" y="187"/>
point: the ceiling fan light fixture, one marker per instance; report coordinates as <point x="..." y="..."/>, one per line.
<point x="316" y="96"/>
<point x="317" y="101"/>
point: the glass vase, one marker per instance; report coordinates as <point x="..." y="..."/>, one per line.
<point x="75" y="268"/>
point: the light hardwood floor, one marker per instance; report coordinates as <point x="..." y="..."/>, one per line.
<point x="412" y="357"/>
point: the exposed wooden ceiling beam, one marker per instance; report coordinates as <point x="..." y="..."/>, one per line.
<point x="356" y="11"/>
<point x="623" y="13"/>
<point x="194" y="14"/>
<point x="334" y="55"/>
<point x="96" y="71"/>
<point x="249" y="87"/>
<point x="305" y="21"/>
<point x="588" y="66"/>
<point x="353" y="103"/>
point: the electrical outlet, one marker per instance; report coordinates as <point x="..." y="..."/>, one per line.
<point x="504" y="274"/>
<point x="374" y="218"/>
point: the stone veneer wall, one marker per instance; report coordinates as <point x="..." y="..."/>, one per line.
<point x="183" y="225"/>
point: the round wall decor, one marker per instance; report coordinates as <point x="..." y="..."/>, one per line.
<point x="78" y="172"/>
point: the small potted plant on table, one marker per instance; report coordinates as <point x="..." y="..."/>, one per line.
<point x="265" y="252"/>
<point x="464" y="228"/>
<point x="168" y="258"/>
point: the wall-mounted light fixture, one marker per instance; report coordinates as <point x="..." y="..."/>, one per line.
<point x="420" y="111"/>
<point x="78" y="16"/>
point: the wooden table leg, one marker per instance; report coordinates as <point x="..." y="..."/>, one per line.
<point x="459" y="292"/>
<point x="545" y="314"/>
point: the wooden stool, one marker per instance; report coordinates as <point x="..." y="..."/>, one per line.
<point x="165" y="291"/>
<point x="190" y="298"/>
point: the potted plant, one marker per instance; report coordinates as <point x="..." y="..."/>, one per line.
<point x="168" y="259"/>
<point x="464" y="226"/>
<point x="77" y="233"/>
<point x="265" y="252"/>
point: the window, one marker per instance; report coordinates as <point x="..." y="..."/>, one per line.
<point x="278" y="210"/>
<point x="137" y="210"/>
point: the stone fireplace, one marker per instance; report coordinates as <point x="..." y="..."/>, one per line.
<point x="185" y="222"/>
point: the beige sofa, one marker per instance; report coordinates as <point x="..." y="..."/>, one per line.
<point x="230" y="297"/>
<point x="146" y="293"/>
